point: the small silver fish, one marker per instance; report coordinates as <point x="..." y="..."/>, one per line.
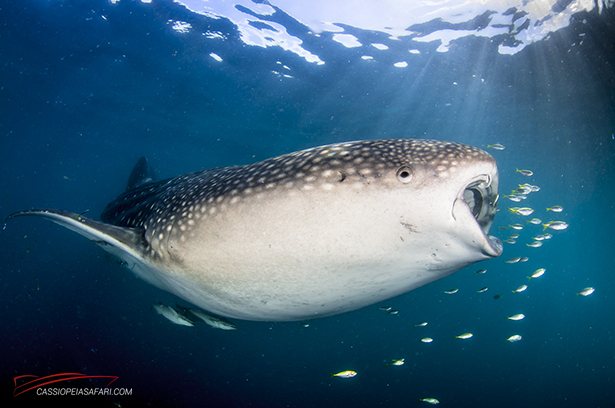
<point x="513" y="260"/>
<point x="451" y="291"/>
<point x="524" y="189"/>
<point x="520" y="289"/>
<point x="421" y="324"/>
<point x="345" y="374"/>
<point x="514" y="197"/>
<point x="527" y="173"/>
<point x="399" y="362"/>
<point x="480" y="272"/>
<point x="535" y="244"/>
<point x="482" y="290"/>
<point x="587" y="291"/>
<point x="518" y="316"/>
<point x="464" y="336"/>
<point x="537" y="274"/>
<point x="556" y="225"/>
<point x="426" y="339"/>
<point x="521" y="210"/>
<point x="556" y="208"/>
<point x="514" y="338"/>
<point x="496" y="146"/>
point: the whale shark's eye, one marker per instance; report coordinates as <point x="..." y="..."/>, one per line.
<point x="404" y="174"/>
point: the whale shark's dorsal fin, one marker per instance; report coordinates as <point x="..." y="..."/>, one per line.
<point x="141" y="174"/>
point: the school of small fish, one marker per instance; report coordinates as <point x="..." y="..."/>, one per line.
<point x="538" y="239"/>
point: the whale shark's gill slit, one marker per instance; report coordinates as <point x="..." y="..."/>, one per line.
<point x="481" y="197"/>
<point x="474" y="199"/>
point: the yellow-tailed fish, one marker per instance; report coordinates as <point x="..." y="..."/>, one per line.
<point x="556" y="225"/>
<point x="538" y="273"/>
<point x="514" y="338"/>
<point x="513" y="197"/>
<point x="518" y="316"/>
<point x="345" y="374"/>
<point x="587" y="291"/>
<point x="521" y="210"/>
<point x="527" y="173"/>
<point x="524" y="189"/>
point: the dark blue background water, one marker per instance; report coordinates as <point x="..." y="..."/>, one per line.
<point x="83" y="97"/>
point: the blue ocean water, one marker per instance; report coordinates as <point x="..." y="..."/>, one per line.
<point x="87" y="87"/>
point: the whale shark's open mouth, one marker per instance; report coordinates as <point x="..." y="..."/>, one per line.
<point x="481" y="196"/>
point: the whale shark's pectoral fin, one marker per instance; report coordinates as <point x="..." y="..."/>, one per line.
<point x="119" y="241"/>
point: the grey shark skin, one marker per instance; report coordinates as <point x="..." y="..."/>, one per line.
<point x="308" y="234"/>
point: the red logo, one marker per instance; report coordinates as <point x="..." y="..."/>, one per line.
<point x="36" y="381"/>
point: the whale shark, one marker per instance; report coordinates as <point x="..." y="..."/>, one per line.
<point x="304" y="235"/>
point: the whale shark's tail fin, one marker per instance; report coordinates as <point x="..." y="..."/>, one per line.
<point x="141" y="174"/>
